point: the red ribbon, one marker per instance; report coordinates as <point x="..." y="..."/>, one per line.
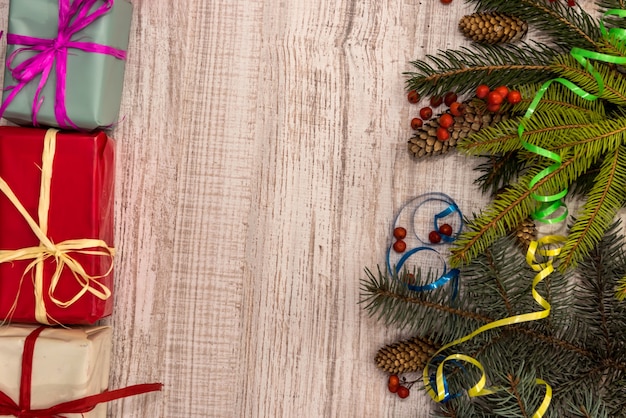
<point x="53" y="53"/>
<point x="78" y="406"/>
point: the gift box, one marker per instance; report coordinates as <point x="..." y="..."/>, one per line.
<point x="65" y="62"/>
<point x="56" y="225"/>
<point x="66" y="365"/>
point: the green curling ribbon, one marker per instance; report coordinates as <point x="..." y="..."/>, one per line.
<point x="549" y="204"/>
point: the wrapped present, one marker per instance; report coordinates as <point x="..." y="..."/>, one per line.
<point x="53" y="372"/>
<point x="56" y="226"/>
<point x="65" y="62"/>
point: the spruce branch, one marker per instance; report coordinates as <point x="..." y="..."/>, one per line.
<point x="580" y="353"/>
<point x="567" y="27"/>
<point x="460" y="70"/>
<point x="513" y="205"/>
<point x="611" y="4"/>
<point x="605" y="198"/>
<point x="614" y="84"/>
<point x="498" y="171"/>
<point x="543" y="129"/>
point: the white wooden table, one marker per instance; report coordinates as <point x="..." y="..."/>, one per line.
<point x="261" y="161"/>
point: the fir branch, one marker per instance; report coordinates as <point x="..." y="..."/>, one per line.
<point x="605" y="198"/>
<point x="542" y="130"/>
<point x="614" y="84"/>
<point x="567" y="27"/>
<point x="499" y="171"/>
<point x="513" y="383"/>
<point x="583" y="184"/>
<point x="514" y="205"/>
<point x="596" y="139"/>
<point x="611" y="4"/>
<point x="612" y="21"/>
<point x="462" y="70"/>
<point x="395" y="304"/>
<point x="557" y="98"/>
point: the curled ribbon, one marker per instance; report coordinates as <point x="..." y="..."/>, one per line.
<point x="53" y="53"/>
<point x="549" y="205"/>
<point x="479" y="389"/>
<point x="60" y="252"/>
<point x="78" y="406"/>
<point x="448" y="276"/>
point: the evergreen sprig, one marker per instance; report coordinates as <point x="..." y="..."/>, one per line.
<point x="460" y="69"/>
<point x="564" y="26"/>
<point x="583" y="137"/>
<point x="579" y="349"/>
<point x="499" y="170"/>
<point x="605" y="198"/>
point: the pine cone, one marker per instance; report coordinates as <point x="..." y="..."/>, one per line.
<point x="492" y="27"/>
<point x="406" y="356"/>
<point x="424" y="142"/>
<point x="525" y="232"/>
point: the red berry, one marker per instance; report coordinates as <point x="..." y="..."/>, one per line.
<point x="403" y="392"/>
<point x="436" y="101"/>
<point x="413" y="96"/>
<point x="446" y="120"/>
<point x="457" y="109"/>
<point x="493" y="108"/>
<point x="399" y="233"/>
<point x="393" y="388"/>
<point x="416" y="123"/>
<point x="426" y="113"/>
<point x="571" y="3"/>
<point x="434" y="237"/>
<point x="394" y="380"/>
<point x="399" y="246"/>
<point x="482" y="91"/>
<point x="503" y="90"/>
<point x="514" y="97"/>
<point x="449" y="98"/>
<point x="442" y="134"/>
<point x="445" y="229"/>
<point x="446" y="1"/>
<point x="494" y="98"/>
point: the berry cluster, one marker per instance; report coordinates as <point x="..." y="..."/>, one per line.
<point x="435" y="236"/>
<point x="401" y="387"/>
<point x="446" y="120"/>
<point x="399" y="234"/>
<point x="496" y="97"/>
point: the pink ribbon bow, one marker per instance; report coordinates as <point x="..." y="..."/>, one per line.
<point x="53" y="53"/>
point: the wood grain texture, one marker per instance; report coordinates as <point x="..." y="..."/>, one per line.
<point x="261" y="160"/>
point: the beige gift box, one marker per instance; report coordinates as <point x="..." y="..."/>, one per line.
<point x="68" y="364"/>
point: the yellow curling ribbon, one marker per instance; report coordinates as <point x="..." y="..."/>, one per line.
<point x="544" y="268"/>
<point x="61" y="252"/>
<point x="549" y="204"/>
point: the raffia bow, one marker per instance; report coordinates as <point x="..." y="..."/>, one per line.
<point x="60" y="252"/>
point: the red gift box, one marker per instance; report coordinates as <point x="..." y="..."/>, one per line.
<point x="57" y="269"/>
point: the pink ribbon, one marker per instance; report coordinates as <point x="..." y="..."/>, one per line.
<point x="72" y="19"/>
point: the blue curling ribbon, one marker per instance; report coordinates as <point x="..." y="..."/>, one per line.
<point x="433" y="378"/>
<point x="448" y="276"/>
